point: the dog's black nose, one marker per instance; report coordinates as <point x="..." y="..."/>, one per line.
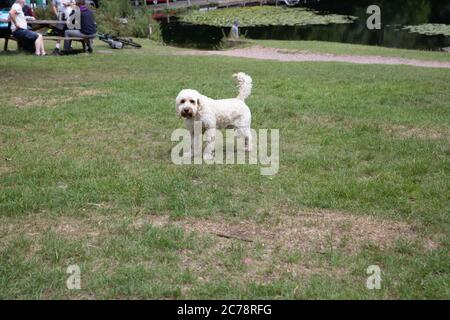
<point x="186" y="112"/>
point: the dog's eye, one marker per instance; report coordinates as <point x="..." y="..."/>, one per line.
<point x="182" y="101"/>
<point x="192" y="101"/>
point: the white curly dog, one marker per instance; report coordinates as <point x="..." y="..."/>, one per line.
<point x="216" y="114"/>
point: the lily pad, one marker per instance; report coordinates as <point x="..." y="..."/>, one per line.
<point x="262" y="16"/>
<point x="430" y="29"/>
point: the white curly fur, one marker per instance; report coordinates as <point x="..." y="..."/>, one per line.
<point x="244" y="82"/>
<point x="217" y="114"/>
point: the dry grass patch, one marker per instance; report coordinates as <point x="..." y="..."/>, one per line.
<point x="401" y="131"/>
<point x="35" y="225"/>
<point x="83" y="92"/>
<point x="418" y="132"/>
<point x="276" y="247"/>
<point x="5" y="170"/>
<point x="303" y="232"/>
<point x="30" y="100"/>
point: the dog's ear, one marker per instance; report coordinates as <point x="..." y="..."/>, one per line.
<point x="200" y="102"/>
<point x="177" y="110"/>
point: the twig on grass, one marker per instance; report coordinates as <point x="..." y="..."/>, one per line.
<point x="228" y="236"/>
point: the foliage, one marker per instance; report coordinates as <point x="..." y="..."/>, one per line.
<point x="430" y="29"/>
<point x="117" y="8"/>
<point x="135" y="25"/>
<point x="46" y="13"/>
<point x="120" y="18"/>
<point x="262" y="15"/>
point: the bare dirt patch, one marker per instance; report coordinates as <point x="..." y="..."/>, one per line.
<point x="418" y="132"/>
<point x="5" y="170"/>
<point x="92" y="92"/>
<point x="30" y="100"/>
<point x="35" y="225"/>
<point x="264" y="53"/>
<point x="285" y="245"/>
<point x="266" y="246"/>
<point x="311" y="232"/>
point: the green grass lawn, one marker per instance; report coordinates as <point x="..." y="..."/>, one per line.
<point x="86" y="178"/>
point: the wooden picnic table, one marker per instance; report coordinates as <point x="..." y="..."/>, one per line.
<point x="46" y="22"/>
<point x="39" y="24"/>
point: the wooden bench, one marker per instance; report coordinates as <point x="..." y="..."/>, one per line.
<point x="7" y="38"/>
<point x="50" y="38"/>
<point x="5" y="45"/>
<point x="78" y="39"/>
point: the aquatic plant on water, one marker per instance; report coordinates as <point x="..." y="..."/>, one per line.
<point x="262" y="16"/>
<point x="430" y="29"/>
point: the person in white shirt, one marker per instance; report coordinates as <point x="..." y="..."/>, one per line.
<point x="30" y="40"/>
<point x="62" y="10"/>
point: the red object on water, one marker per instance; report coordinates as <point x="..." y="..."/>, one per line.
<point x="161" y="15"/>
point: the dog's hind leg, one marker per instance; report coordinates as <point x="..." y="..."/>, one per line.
<point x="210" y="139"/>
<point x="247" y="134"/>
<point x="248" y="140"/>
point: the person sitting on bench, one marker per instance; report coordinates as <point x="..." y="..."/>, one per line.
<point x="29" y="40"/>
<point x="61" y="9"/>
<point x="88" y="28"/>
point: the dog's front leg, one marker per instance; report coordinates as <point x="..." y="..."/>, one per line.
<point x="196" y="146"/>
<point x="196" y="139"/>
<point x="190" y="152"/>
<point x="195" y="130"/>
<point x="210" y="138"/>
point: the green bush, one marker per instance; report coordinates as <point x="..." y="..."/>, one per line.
<point x="44" y="13"/>
<point x="111" y="17"/>
<point x="117" y="8"/>
<point x="139" y="25"/>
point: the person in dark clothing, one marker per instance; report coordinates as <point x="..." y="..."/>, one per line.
<point x="88" y="27"/>
<point x="28" y="11"/>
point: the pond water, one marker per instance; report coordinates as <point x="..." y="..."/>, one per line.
<point x="394" y="15"/>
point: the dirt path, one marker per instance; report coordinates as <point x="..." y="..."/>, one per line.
<point x="263" y="53"/>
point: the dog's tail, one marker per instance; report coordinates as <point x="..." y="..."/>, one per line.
<point x="244" y="83"/>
